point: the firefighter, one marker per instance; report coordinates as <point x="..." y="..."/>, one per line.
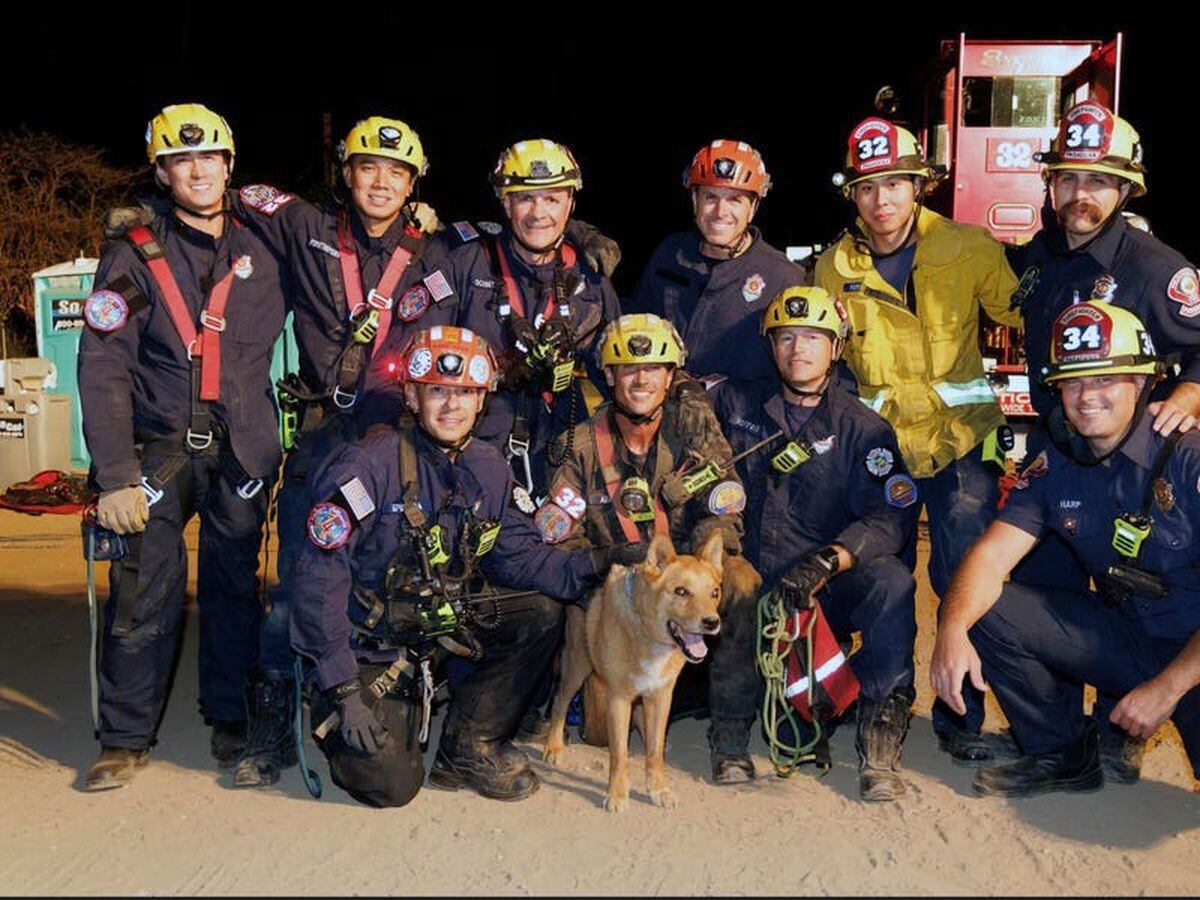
<point x="830" y="507"/>
<point x="535" y="288"/>
<point x="714" y="283"/>
<point x="912" y="283"/>
<point x="411" y="521"/>
<point x="1125" y="499"/>
<point x="178" y="416"/>
<point x="1088" y="250"/>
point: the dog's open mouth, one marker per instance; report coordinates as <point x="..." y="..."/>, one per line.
<point x="693" y="646"/>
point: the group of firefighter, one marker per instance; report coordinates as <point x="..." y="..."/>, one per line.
<point x="477" y="428"/>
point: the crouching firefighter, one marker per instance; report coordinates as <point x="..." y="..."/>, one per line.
<point x="177" y="411"/>
<point x="1126" y="499"/>
<point x="636" y="469"/>
<point x="831" y="507"/>
<point x="413" y="527"/>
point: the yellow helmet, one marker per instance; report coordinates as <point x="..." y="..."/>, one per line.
<point x="879" y="147"/>
<point x="639" y="338"/>
<point x="807" y="307"/>
<point x="1091" y="139"/>
<point x="185" y="127"/>
<point x="381" y="136"/>
<point x="535" y="164"/>
<point x="1099" y="339"/>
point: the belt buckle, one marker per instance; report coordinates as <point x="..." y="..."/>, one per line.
<point x="153" y="495"/>
<point x="344" y="399"/>
<point x="199" y="442"/>
<point x="249" y="488"/>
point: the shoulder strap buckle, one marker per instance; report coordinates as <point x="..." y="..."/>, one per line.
<point x="344" y="399"/>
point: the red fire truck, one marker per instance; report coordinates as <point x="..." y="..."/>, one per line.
<point x="989" y="107"/>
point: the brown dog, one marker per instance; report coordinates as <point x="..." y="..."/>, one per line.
<point x="640" y="629"/>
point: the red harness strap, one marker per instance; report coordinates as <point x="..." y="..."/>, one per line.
<point x="380" y="296"/>
<point x="606" y="453"/>
<point x="513" y="293"/>
<point x="206" y="346"/>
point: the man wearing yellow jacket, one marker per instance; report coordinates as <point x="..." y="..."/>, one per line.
<point x="912" y="283"/>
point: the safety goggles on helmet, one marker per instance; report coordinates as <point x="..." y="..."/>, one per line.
<point x="449" y="356"/>
<point x="187" y="128"/>
<point x="390" y="138"/>
<point x="1099" y="339"/>
<point x="807" y="307"/>
<point x="877" y="147"/>
<point x="535" y="165"/>
<point x="732" y="164"/>
<point x="1092" y="139"/>
<point x="641" y="338"/>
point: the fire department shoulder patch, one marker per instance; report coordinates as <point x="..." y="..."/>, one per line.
<point x="264" y="198"/>
<point x="1184" y="289"/>
<point x="329" y="526"/>
<point x="753" y="287"/>
<point x="900" y="491"/>
<point x="879" y="461"/>
<point x="552" y="523"/>
<point x="570" y="502"/>
<point x="523" y="501"/>
<point x="726" y="498"/>
<point x="413" y="303"/>
<point x="106" y="311"/>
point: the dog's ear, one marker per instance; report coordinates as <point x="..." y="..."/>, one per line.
<point x="713" y="551"/>
<point x="661" y="552"/>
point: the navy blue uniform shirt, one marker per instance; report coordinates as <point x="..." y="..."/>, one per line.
<point x="1079" y="503"/>
<point x="477" y="479"/>
<point x="1131" y="268"/>
<point x="717" y="305"/>
<point x="134" y="381"/>
<point x="854" y="490"/>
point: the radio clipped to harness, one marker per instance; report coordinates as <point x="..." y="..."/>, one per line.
<point x="435" y="546"/>
<point x="364" y="324"/>
<point x="790" y="458"/>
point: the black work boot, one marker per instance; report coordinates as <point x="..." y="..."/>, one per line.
<point x="1120" y="754"/>
<point x="1075" y="767"/>
<point x="965" y="747"/>
<point x="495" y="769"/>
<point x="881" y="731"/>
<point x="115" y="767"/>
<point x="228" y="742"/>
<point x="270" y="737"/>
<point x="730" y="757"/>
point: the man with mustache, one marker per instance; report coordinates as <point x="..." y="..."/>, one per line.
<point x="913" y="283"/>
<point x="713" y="282"/>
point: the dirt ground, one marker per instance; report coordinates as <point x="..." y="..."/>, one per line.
<point x="181" y="828"/>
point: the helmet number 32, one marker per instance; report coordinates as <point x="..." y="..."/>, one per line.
<point x="1089" y="136"/>
<point x="870" y="148"/>
<point x="1075" y="337"/>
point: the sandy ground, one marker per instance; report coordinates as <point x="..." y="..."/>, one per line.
<point x="181" y="828"/>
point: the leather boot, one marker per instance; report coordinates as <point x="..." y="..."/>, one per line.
<point x="730" y="757"/>
<point x="1120" y="754"/>
<point x="270" y="737"/>
<point x="881" y="731"/>
<point x="495" y="769"/>
<point x="228" y="742"/>
<point x="115" y="768"/>
<point x="1075" y="767"/>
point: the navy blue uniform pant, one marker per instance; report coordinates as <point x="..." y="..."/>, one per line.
<point x="876" y="599"/>
<point x="139" y="648"/>
<point x="1039" y="648"/>
<point x="960" y="502"/>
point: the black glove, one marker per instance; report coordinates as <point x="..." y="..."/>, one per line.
<point x="602" y="253"/>
<point x="358" y="726"/>
<point x="807" y="576"/>
<point x="628" y="554"/>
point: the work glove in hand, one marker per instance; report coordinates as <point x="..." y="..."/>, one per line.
<point x="425" y="217"/>
<point x="120" y="220"/>
<point x="123" y="510"/>
<point x="694" y="414"/>
<point x="627" y="554"/>
<point x="810" y="574"/>
<point x="359" y="727"/>
<point x="602" y="253"/>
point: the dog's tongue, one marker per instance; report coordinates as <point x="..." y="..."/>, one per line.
<point x="695" y="644"/>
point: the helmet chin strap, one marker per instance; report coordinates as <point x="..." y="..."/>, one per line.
<point x="728" y="251"/>
<point x="637" y="419"/>
<point x="826" y="379"/>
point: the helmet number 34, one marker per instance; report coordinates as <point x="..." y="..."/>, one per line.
<point x="1075" y="337"/>
<point x="1090" y="136"/>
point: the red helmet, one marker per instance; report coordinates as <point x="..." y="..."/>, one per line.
<point x="729" y="164"/>
<point x="456" y="357"/>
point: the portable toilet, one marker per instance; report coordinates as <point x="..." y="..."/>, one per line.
<point x="59" y="293"/>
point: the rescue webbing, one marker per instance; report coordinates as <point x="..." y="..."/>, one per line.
<point x="511" y="292"/>
<point x="206" y="345"/>
<point x="772" y="622"/>
<point x="606" y="454"/>
<point x="380" y="297"/>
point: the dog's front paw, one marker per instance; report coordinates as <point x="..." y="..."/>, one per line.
<point x="552" y="755"/>
<point x="616" y="803"/>
<point x="662" y="797"/>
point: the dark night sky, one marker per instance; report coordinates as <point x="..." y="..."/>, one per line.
<point x="634" y="102"/>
